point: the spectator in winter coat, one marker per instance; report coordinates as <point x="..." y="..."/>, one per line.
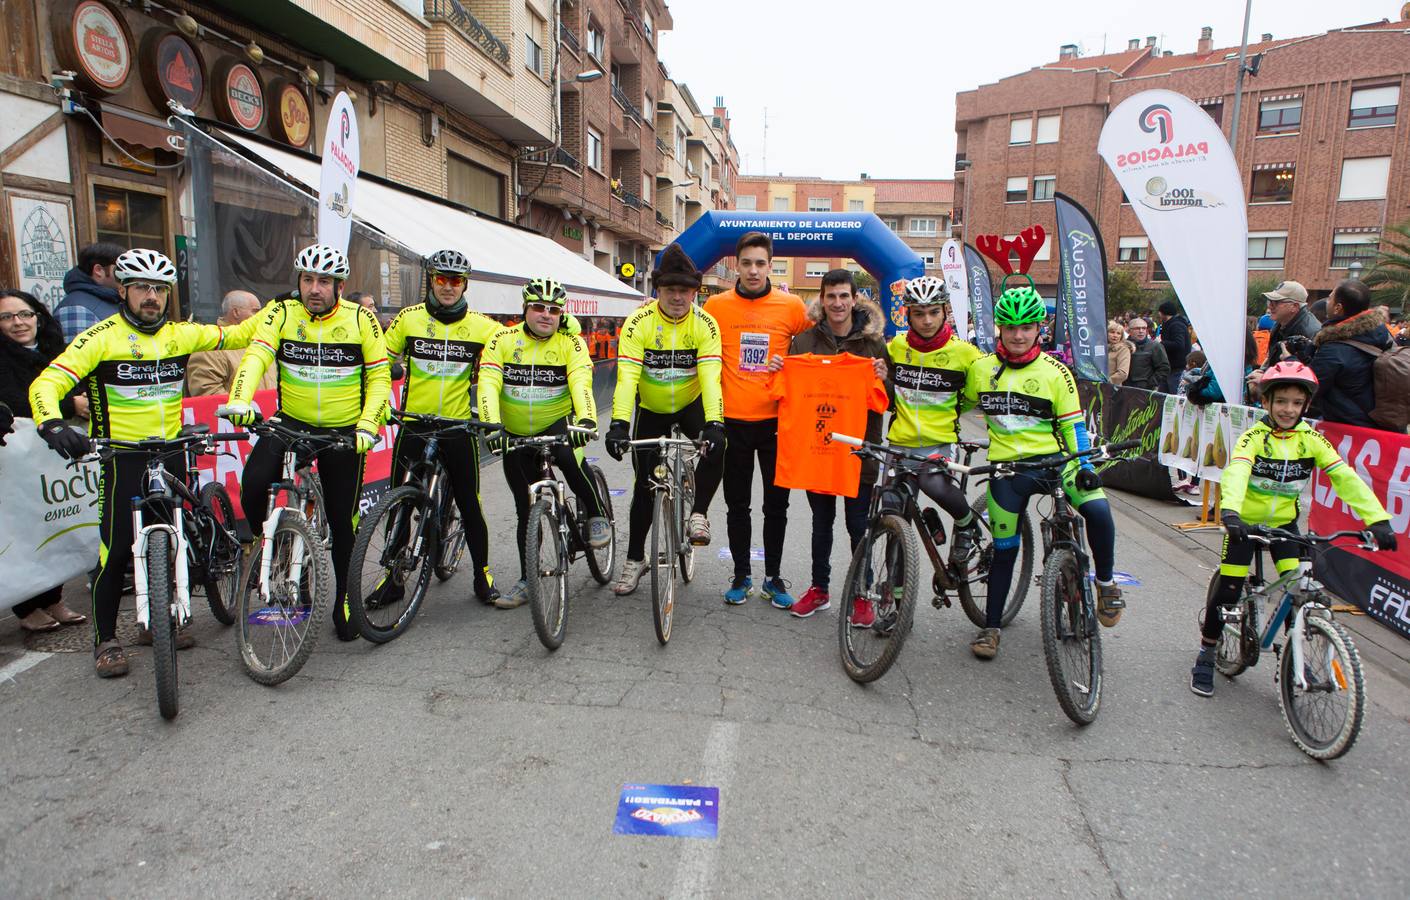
<point x="1150" y="368"/>
<point x="1345" y="386"/>
<point x="1118" y="353"/>
<point x="1175" y="338"/>
<point x="90" y="290"/>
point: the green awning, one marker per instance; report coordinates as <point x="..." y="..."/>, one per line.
<point x="301" y="28"/>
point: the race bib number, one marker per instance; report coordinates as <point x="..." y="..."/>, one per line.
<point x="753" y="352"/>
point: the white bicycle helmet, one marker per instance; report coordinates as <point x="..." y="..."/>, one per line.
<point x="926" y="290"/>
<point x="141" y="264"/>
<point x="321" y="259"/>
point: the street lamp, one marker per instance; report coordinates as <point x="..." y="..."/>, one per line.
<point x="589" y="75"/>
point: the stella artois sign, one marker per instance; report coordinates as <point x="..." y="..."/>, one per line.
<point x="99" y="45"/>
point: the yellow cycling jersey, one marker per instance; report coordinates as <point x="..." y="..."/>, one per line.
<point x="133" y="380"/>
<point x="668" y="363"/>
<point x="527" y="383"/>
<point x="441" y="358"/>
<point x="333" y="369"/>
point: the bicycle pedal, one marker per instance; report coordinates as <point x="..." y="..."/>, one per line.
<point x="940" y="601"/>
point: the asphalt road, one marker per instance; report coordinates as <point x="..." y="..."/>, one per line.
<point x="465" y="760"/>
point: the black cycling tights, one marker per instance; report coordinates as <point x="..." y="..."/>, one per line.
<point x="521" y="469"/>
<point x="120" y="480"/>
<point x="460" y="455"/>
<point x="691" y="419"/>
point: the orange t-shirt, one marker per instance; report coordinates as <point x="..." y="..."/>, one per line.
<point x="816" y="396"/>
<point x="751" y="331"/>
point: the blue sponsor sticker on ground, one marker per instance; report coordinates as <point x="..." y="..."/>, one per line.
<point x="756" y="554"/>
<point x="668" y="810"/>
<point x="591" y="458"/>
<point x="617" y="492"/>
<point x="1126" y="579"/>
<point x="278" y="616"/>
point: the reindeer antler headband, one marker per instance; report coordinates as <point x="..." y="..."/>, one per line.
<point x="1027" y="244"/>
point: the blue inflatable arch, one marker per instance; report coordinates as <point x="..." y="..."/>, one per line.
<point x="860" y="236"/>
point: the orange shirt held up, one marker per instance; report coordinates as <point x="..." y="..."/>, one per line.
<point x="816" y="396"/>
<point x="751" y="331"/>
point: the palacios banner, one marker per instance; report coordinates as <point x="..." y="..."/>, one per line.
<point x="952" y="265"/>
<point x="981" y="298"/>
<point x="1179" y="173"/>
<point x="1081" y="296"/>
<point x="338" y="177"/>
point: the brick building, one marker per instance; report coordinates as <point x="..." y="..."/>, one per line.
<point x="919" y="211"/>
<point x="1322" y="146"/>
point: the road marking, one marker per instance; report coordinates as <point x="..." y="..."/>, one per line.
<point x="28" y="660"/>
<point x="696" y="868"/>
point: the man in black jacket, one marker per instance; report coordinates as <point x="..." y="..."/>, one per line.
<point x="90" y="290"/>
<point x="1345" y="382"/>
<point x="1287" y="304"/>
<point x="1175" y="338"/>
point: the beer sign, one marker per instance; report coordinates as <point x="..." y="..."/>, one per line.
<point x="239" y="95"/>
<point x="96" y="45"/>
<point x="172" y="70"/>
<point x="294" y="122"/>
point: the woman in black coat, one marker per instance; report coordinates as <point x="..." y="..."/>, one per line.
<point x="29" y="339"/>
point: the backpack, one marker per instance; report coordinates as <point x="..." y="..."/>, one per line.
<point x="1390" y="375"/>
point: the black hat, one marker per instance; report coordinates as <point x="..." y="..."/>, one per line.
<point x="1168" y="307"/>
<point x="675" y="268"/>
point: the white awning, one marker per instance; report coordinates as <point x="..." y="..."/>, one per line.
<point x="504" y="257"/>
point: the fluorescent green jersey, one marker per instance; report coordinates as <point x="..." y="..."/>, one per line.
<point x="332" y="368"/>
<point x="1270" y="470"/>
<point x="133" y="380"/>
<point x="1031" y="411"/>
<point x="668" y="363"/>
<point x="440" y="359"/>
<point x="527" y="383"/>
<point x="928" y="386"/>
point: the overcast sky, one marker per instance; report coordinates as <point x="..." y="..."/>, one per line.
<point x="890" y="76"/>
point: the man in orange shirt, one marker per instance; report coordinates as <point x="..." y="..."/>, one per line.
<point x="756" y="323"/>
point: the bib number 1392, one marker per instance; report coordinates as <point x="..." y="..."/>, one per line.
<point x="753" y="352"/>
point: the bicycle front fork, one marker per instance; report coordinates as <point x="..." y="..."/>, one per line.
<point x="180" y="547"/>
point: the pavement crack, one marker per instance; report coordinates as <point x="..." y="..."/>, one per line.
<point x="1091" y="832"/>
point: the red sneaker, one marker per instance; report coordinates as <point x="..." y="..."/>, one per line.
<point x="863" y="613"/>
<point x="813" y="599"/>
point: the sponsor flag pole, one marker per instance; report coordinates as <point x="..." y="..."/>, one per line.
<point x="1081" y="299"/>
<point x="981" y="298"/>
<point x="338" y="175"/>
<point x="953" y="266"/>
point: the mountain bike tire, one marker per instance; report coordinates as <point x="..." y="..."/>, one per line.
<point x="664" y="544"/>
<point x="309" y="609"/>
<point x="401" y="510"/>
<point x="1237" y="650"/>
<point x="1335" y="668"/>
<point x="686" y="563"/>
<point x="452" y="538"/>
<point x="161" y="622"/>
<point x="602" y="562"/>
<point x="545" y="566"/>
<point x="1072" y="644"/>
<point x="973" y="589"/>
<point x="899" y="551"/>
<point x="224" y="572"/>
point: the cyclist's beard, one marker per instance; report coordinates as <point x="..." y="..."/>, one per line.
<point x="140" y="324"/>
<point x="447" y="314"/>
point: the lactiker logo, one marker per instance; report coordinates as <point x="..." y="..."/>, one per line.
<point x="1157" y="117"/>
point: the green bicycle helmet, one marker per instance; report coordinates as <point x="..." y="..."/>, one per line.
<point x="1019" y="305"/>
<point x="545" y="290"/>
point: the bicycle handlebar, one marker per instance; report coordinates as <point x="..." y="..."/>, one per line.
<point x="108" y="447"/>
<point x="548" y="439"/>
<point x="1266" y="535"/>
<point x="1099" y="451"/>
<point x="441" y="423"/>
<point x="662" y="442"/>
<point x="275" y="427"/>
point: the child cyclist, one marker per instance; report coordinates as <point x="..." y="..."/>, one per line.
<point x="1030" y="403"/>
<point x="1272" y="464"/>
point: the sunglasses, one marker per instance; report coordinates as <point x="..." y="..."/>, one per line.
<point x="449" y="280"/>
<point x="548" y="308"/>
<point x="146" y="287"/>
<point x="23" y="315"/>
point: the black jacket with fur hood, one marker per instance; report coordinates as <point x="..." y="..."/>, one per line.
<point x="1345" y="384"/>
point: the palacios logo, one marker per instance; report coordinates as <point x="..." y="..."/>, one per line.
<point x="1157" y="117"/>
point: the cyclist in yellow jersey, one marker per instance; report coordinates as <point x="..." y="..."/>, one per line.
<point x="533" y="378"/>
<point x="333" y="379"/>
<point x="669" y="357"/>
<point x="440" y="341"/>
<point x="133" y="365"/>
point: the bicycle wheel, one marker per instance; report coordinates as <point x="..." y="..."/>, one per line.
<point x="882" y="583"/>
<point x="277" y="635"/>
<point x="1071" y="642"/>
<point x="1325" y="717"/>
<point x="452" y="535"/>
<point x="602" y="562"/>
<point x="1238" y="647"/>
<point x="664" y="545"/>
<point x="160" y="578"/>
<point x="974" y="586"/>
<point x="546" y="563"/>
<point x="389" y="575"/>
<point x="224" y="575"/>
<point x="686" y="562"/>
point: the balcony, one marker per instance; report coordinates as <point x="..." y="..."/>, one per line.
<point x="378" y="40"/>
<point x="570" y="40"/>
<point x="555" y="156"/>
<point x="664" y="220"/>
<point x="665" y="149"/>
<point x="451" y="11"/>
<point x="626" y="104"/>
<point x="628" y="46"/>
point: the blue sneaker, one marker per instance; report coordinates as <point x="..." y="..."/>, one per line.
<point x="776" y="591"/>
<point x="739" y="590"/>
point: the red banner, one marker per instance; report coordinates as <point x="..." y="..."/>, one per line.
<point x="1377" y="582"/>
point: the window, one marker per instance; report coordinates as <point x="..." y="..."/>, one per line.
<point x="815" y="269"/>
<point x="779" y="268"/>
<point x="1280" y="116"/>
<point x="746" y="201"/>
<point x="1349" y="248"/>
<point x="922" y="227"/>
<point x="1272" y="185"/>
<point x="1044" y="187"/>
<point x="927" y="257"/>
<point x="781" y="204"/>
<point x="1158" y="272"/>
<point x="856" y="206"/>
<point x="1020" y="131"/>
<point x="1017" y="190"/>
<point x="1267" y="249"/>
<point x="680" y="142"/>
<point x="892" y="223"/>
<point x="819" y="204"/>
<point x="594" y="149"/>
<point x="648" y="110"/>
<point x="1133" y="249"/>
<point x="130" y="218"/>
<point x="1048" y="129"/>
<point x="534" y="39"/>
<point x="1364" y="178"/>
<point x="1215" y="108"/>
<point x="474" y="185"/>
<point x="648" y="25"/>
<point x="1373" y="106"/>
<point x="596" y="42"/>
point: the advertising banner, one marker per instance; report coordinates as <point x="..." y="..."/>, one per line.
<point x="1199" y="440"/>
<point x="1176" y="167"/>
<point x="1124" y="414"/>
<point x="1377" y="582"/>
<point x="1081" y="297"/>
<point x="952" y="265"/>
<point x="341" y="152"/>
<point x="981" y="298"/>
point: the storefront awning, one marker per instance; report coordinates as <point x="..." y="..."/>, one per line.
<point x="504" y="257"/>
